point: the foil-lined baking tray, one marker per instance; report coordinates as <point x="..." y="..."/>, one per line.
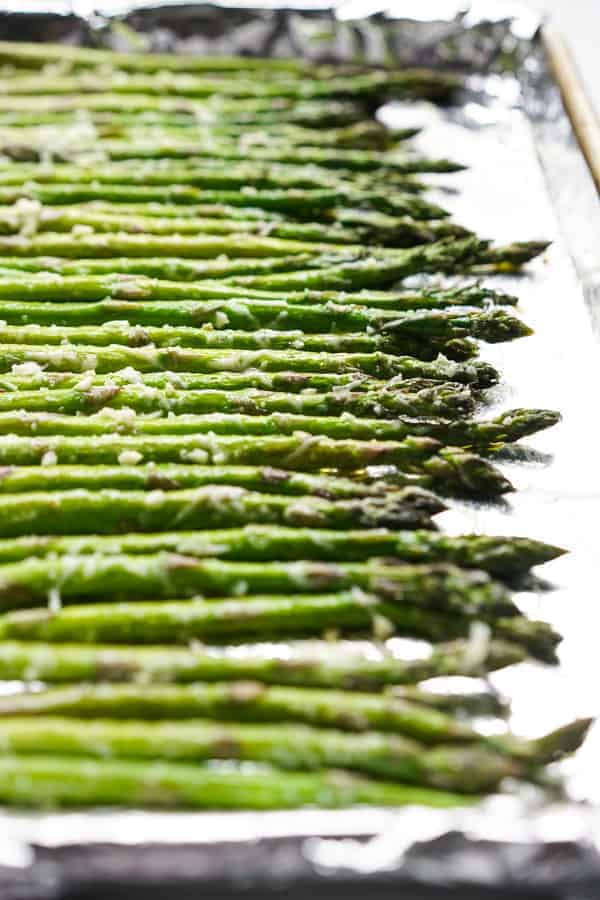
<point x="526" y="179"/>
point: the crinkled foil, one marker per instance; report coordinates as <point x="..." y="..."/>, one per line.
<point x="526" y="179"/>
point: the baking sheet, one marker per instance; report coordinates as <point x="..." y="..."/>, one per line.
<point x="526" y="180"/>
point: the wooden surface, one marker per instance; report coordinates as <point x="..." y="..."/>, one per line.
<point x="577" y="102"/>
<point x="578" y="21"/>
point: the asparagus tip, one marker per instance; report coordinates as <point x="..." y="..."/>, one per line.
<point x="562" y="741"/>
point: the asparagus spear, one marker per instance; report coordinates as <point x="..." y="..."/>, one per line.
<point x="303" y="204"/>
<point x="505" y="428"/>
<point x="256" y="114"/>
<point x="454" y="471"/>
<point x="178" y="322"/>
<point x="209" y="339"/>
<point x="291" y="382"/>
<point x="45" y="781"/>
<point x="444" y="399"/>
<point x="449" y="469"/>
<point x="253" y="702"/>
<point x="197" y="247"/>
<point x="346" y="665"/>
<point x="442" y="587"/>
<point x="183" y="314"/>
<point x="161" y="146"/>
<point x="300" y="748"/>
<point x="368" y="134"/>
<point x="476" y="374"/>
<point x="397" y="232"/>
<point x="49" y="285"/>
<point x="375" y="271"/>
<point x="279" y="149"/>
<point x="503" y="557"/>
<point x="177" y="476"/>
<point x="211" y="505"/>
<point x="196" y="81"/>
<point x="250" y="110"/>
<point x="213" y="174"/>
<point x="259" y="617"/>
<point x="175" y="268"/>
<point x="307" y="204"/>
<point x="174" y="359"/>
<point x="35" y="55"/>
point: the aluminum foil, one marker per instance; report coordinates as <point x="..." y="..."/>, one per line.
<point x="526" y="179"/>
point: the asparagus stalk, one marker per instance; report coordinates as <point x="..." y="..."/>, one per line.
<point x="64" y="220"/>
<point x="438" y="587"/>
<point x="346" y="665"/>
<point x="211" y="505"/>
<point x="178" y="322"/>
<point x="291" y="382"/>
<point x="174" y="359"/>
<point x="288" y="85"/>
<point x="449" y="469"/>
<point x="253" y="702"/>
<point x="249" y="110"/>
<point x="45" y="781"/>
<point x="307" y="204"/>
<point x="505" y="428"/>
<point x="177" y="269"/>
<point x="197" y="247"/>
<point x="49" y="285"/>
<point x="213" y="174"/>
<point x="177" y="476"/>
<point x="368" y="134"/>
<point x="237" y="115"/>
<point x="503" y="557"/>
<point x="374" y="272"/>
<point x="397" y="232"/>
<point x="303" y="204"/>
<point x="147" y="622"/>
<point x="476" y="375"/>
<point x="279" y="151"/>
<point x="299" y="748"/>
<point x="111" y="338"/>
<point x="444" y="399"/>
<point x="33" y="55"/>
<point x="299" y="452"/>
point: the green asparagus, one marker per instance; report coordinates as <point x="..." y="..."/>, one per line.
<point x="174" y="359"/>
<point x="54" y="782"/>
<point x="161" y="267"/>
<point x="211" y="340"/>
<point x="504" y="557"/>
<point x="304" y="204"/>
<point x="476" y="374"/>
<point x="388" y="232"/>
<point x="297" y="747"/>
<point x="260" y="618"/>
<point x="374" y="272"/>
<point x="179" y="323"/>
<point x="73" y="292"/>
<point x="504" y="428"/>
<point x="441" y="586"/>
<point x="167" y="477"/>
<point x="254" y="702"/>
<point x="443" y="399"/>
<point x="346" y="665"/>
<point x="208" y="506"/>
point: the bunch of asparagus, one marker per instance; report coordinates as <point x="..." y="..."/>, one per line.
<point x="226" y="428"/>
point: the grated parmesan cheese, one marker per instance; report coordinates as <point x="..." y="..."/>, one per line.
<point x="129" y="458"/>
<point x="49" y="458"/>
